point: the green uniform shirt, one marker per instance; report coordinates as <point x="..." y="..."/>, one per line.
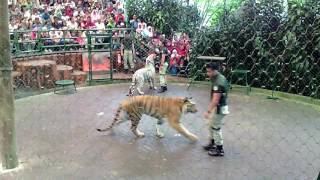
<point x="127" y="43"/>
<point x="220" y="85"/>
<point x="165" y="52"/>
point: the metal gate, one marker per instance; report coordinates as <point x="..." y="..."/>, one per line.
<point x="100" y="59"/>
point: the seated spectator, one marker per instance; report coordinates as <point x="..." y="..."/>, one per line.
<point x="139" y="29"/>
<point x="100" y="26"/>
<point x="47" y="41"/>
<point x="72" y="24"/>
<point x="95" y="15"/>
<point x="109" y="8"/>
<point x="34" y="14"/>
<point x="111" y="23"/>
<point x="78" y="12"/>
<point x="57" y="24"/>
<point x="68" y="11"/>
<point x="12" y="26"/>
<point x="175" y="63"/>
<point x="119" y="17"/>
<point x="82" y="23"/>
<point x="89" y="23"/>
<point x="134" y="22"/>
<point x="46" y="15"/>
<point x="169" y="46"/>
<point x="182" y="51"/>
<point x="37" y="24"/>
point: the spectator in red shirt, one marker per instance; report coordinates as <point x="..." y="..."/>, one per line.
<point x="119" y="17"/>
<point x="109" y="8"/>
<point x="175" y="63"/>
<point x="89" y="23"/>
<point x="169" y="46"/>
<point x="69" y="11"/>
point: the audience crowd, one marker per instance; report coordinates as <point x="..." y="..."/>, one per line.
<point x="61" y="22"/>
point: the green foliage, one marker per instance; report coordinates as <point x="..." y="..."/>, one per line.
<point x="166" y="15"/>
<point x="217" y="9"/>
<point x="279" y="47"/>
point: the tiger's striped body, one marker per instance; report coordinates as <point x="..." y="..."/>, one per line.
<point x="158" y="107"/>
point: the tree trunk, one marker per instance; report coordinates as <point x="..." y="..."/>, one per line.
<point x="7" y="121"/>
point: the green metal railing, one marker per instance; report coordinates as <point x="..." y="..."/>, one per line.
<point x="35" y="43"/>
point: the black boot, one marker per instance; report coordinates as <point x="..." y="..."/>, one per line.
<point x="218" y="151"/>
<point x="165" y="88"/>
<point x="162" y="89"/>
<point x="210" y="146"/>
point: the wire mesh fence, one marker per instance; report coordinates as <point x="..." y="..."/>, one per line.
<point x="278" y="44"/>
<point x="270" y="45"/>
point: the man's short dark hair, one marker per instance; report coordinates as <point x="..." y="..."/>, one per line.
<point x="213" y="66"/>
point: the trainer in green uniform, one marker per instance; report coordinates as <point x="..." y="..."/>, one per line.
<point x="217" y="110"/>
<point x="164" y="63"/>
<point x="127" y="51"/>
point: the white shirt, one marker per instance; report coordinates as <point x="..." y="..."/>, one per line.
<point x="77" y="13"/>
<point x="27" y="14"/>
<point x="100" y="26"/>
<point x="72" y="25"/>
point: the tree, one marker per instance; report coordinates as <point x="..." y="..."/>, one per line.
<point x="7" y="121"/>
<point x="165" y="15"/>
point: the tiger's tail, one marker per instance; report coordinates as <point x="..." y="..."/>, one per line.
<point x="115" y="120"/>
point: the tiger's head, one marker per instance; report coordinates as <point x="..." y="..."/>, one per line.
<point x="189" y="106"/>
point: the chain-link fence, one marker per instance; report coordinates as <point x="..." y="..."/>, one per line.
<point x="276" y="42"/>
<point x="270" y="45"/>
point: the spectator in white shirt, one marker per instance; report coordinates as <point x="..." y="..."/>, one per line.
<point x="100" y="26"/>
<point x="72" y="24"/>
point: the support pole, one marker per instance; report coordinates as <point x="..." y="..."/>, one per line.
<point x="7" y="121"/>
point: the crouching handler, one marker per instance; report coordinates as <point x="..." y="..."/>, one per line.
<point x="217" y="110"/>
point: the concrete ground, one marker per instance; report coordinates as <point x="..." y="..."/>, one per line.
<point x="264" y="139"/>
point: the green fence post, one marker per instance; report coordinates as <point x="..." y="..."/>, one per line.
<point x="111" y="59"/>
<point x="89" y="57"/>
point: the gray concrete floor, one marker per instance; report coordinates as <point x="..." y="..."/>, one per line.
<point x="264" y="139"/>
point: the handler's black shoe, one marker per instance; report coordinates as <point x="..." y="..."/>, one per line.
<point x="165" y="88"/>
<point x="210" y="146"/>
<point x="162" y="89"/>
<point x="218" y="151"/>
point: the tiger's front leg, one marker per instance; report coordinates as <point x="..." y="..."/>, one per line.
<point x="159" y="132"/>
<point x="174" y="122"/>
<point x="151" y="84"/>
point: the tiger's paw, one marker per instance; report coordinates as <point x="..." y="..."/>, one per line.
<point x="160" y="135"/>
<point x="140" y="134"/>
<point x="193" y="138"/>
<point x="141" y="93"/>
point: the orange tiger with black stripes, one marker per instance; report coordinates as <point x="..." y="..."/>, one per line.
<point x="161" y="108"/>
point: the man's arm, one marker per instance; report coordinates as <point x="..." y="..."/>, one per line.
<point x="133" y="52"/>
<point x="214" y="102"/>
<point x="121" y="49"/>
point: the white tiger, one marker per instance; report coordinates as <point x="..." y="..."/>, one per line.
<point x="147" y="73"/>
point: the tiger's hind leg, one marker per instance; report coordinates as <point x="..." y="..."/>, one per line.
<point x="139" y="87"/>
<point x="135" y="119"/>
<point x="159" y="132"/>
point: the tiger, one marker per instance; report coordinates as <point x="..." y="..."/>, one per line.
<point x="147" y="73"/>
<point x="159" y="107"/>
